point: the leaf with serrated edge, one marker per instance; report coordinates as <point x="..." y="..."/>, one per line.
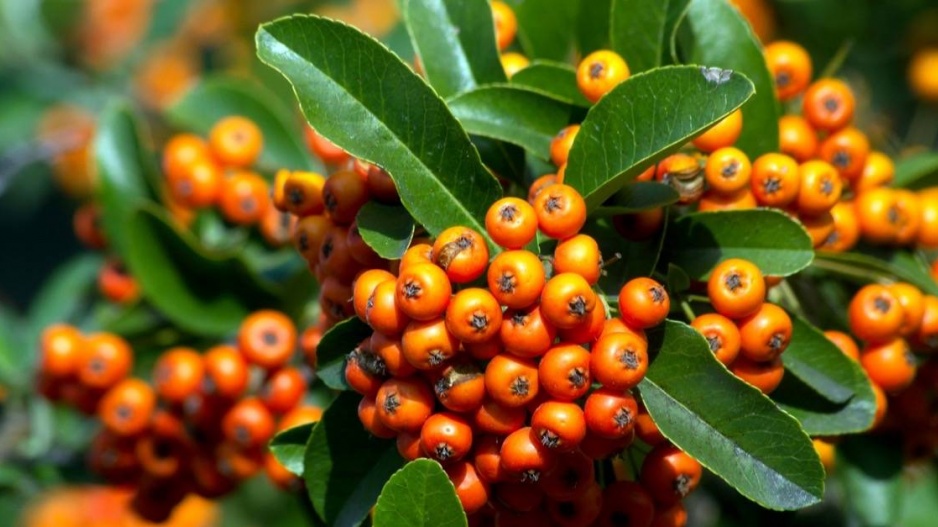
<point x="419" y="495"/>
<point x="366" y="100"/>
<point x="726" y="424"/>
<point x="455" y="40"/>
<point x="644" y="119"/>
<point x="516" y="115"/>
<point x="345" y="467"/>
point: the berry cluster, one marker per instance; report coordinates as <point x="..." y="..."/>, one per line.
<point x="200" y="426"/>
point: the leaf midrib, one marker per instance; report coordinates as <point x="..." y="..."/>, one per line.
<point x="394" y="134"/>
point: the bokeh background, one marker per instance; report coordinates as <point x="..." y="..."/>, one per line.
<point x="63" y="61"/>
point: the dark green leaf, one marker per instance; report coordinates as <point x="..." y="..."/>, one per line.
<point x="366" y="100"/>
<point x="825" y="390"/>
<point x="592" y="31"/>
<point x="918" y="171"/>
<point x="639" y="196"/>
<point x="728" y="425"/>
<point x="127" y="321"/>
<point x="289" y="447"/>
<point x="218" y="97"/>
<point x="124" y="167"/>
<point x="817" y="415"/>
<point x="345" y="467"/>
<point x="864" y="268"/>
<point x="545" y="27"/>
<point x="387" y="229"/>
<point x="724" y="39"/>
<point x="555" y="79"/>
<point x="636" y="32"/>
<point x="335" y="346"/>
<point x="191" y="288"/>
<point x="455" y="40"/>
<point x="778" y="245"/>
<point x="678" y="281"/>
<point x="13" y="367"/>
<point x="870" y="468"/>
<point x="645" y="118"/>
<point x="512" y="114"/>
<point x="419" y="495"/>
<point x="820" y="364"/>
<point x="636" y="258"/>
<point x="506" y="160"/>
<point x="677" y="9"/>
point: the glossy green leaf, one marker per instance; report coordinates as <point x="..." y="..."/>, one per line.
<point x="419" y="495"/>
<point x="545" y="27"/>
<point x="191" y="288"/>
<point x="335" y="346"/>
<point x="865" y="268"/>
<point x="920" y="507"/>
<point x="516" y="115"/>
<point x="504" y="159"/>
<point x="639" y="196"/>
<point x="455" y="40"/>
<point x="387" y="229"/>
<point x="289" y="447"/>
<point x="126" y="172"/>
<point x="394" y="119"/>
<point x="592" y="29"/>
<point x="820" y="364"/>
<point x="723" y="38"/>
<point x="345" y="467"/>
<point x="778" y="245"/>
<point x="637" y="32"/>
<point x="555" y="79"/>
<point x="218" y="97"/>
<point x="870" y="468"/>
<point x="826" y="391"/>
<point x="645" y="118"/>
<point x="918" y="171"/>
<point x="728" y="425"/>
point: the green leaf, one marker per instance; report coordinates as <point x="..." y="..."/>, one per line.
<point x="636" y="32"/>
<point x="554" y="79"/>
<point x="516" y="115"/>
<point x="14" y="370"/>
<point x="544" y="27"/>
<point x="592" y="30"/>
<point x="387" y="229"/>
<point x="677" y="9"/>
<point x="191" y="288"/>
<point x="638" y="196"/>
<point x="64" y="296"/>
<point x="218" y="97"/>
<point x="865" y="268"/>
<point x="455" y="40"/>
<point x="289" y="447"/>
<point x="345" y="467"/>
<point x="335" y="346"/>
<point x="728" y="425"/>
<point x="778" y="245"/>
<point x="366" y="100"/>
<point x="638" y="258"/>
<point x="723" y="38"/>
<point x="820" y="364"/>
<point x="824" y="389"/>
<point x="506" y="160"/>
<point x="870" y="467"/>
<point x="419" y="495"/>
<point x="126" y="172"/>
<point x="917" y="172"/>
<point x="645" y="118"/>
